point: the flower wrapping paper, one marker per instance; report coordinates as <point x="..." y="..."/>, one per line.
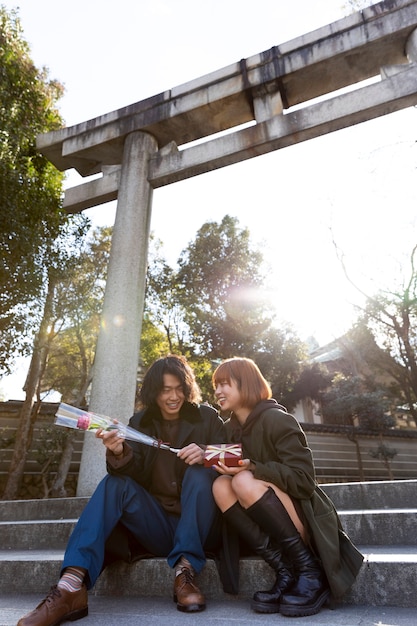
<point x="72" y="417"/>
<point x="227" y="453"/>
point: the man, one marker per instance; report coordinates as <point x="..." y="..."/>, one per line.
<point x="153" y="493"/>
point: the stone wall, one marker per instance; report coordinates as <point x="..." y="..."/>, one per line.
<point x="44" y="454"/>
<point x="334" y="453"/>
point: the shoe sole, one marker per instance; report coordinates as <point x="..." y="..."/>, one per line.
<point x="264" y="607"/>
<point x="293" y="610"/>
<point x="72" y="617"/>
<point x="189" y="608"/>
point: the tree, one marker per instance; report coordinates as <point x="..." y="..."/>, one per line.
<point x="385" y="337"/>
<point x="280" y="355"/>
<point x="30" y="187"/>
<point x="350" y="403"/>
<point x="162" y="300"/>
<point x="153" y="343"/>
<point x="35" y="232"/>
<point x="78" y="304"/>
<point x="357" y="5"/>
<point x="220" y="289"/>
<point x="49" y="456"/>
<point x="313" y="380"/>
<point x="71" y="359"/>
<point x="214" y="306"/>
<point x="385" y="454"/>
<point x="56" y="262"/>
<point x="165" y="312"/>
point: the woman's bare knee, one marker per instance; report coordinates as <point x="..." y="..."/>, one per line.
<point x="247" y="488"/>
<point x="223" y="492"/>
<point x="221" y="484"/>
<point x="242" y="481"/>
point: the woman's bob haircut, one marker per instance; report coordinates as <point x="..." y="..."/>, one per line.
<point x="246" y="374"/>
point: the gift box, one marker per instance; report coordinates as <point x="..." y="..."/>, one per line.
<point x="227" y="453"/>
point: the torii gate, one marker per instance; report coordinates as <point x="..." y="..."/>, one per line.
<point x="138" y="149"/>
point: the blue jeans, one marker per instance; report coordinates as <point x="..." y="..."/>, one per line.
<point x="120" y="498"/>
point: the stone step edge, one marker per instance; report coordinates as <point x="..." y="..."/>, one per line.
<point x="345" y="496"/>
<point x="341" y="513"/>
<point x="374" y="527"/>
<point x="377" y="553"/>
<point x="387" y="577"/>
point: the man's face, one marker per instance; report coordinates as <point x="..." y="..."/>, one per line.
<point x="171" y="398"/>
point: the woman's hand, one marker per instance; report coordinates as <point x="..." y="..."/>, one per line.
<point x="244" y="464"/>
<point x="191" y="454"/>
<point x="111" y="439"/>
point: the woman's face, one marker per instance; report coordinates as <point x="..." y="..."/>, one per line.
<point x="228" y="395"/>
<point x="171" y="398"/>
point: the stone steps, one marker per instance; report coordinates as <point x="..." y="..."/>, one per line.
<point x="396" y="527"/>
<point x="386" y="579"/>
<point x="381" y="519"/>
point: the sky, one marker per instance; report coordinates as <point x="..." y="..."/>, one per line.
<point x="354" y="188"/>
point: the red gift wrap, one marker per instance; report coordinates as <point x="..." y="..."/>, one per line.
<point x="227" y="453"/>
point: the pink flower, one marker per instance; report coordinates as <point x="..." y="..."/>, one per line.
<point x="83" y="422"/>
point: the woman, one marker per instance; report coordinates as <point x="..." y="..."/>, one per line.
<point x="272" y="499"/>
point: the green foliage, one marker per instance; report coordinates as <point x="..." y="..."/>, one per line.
<point x="7" y="440"/>
<point x="50" y="445"/>
<point x="50" y="448"/>
<point x="153" y="343"/>
<point x="220" y="290"/>
<point x="31" y="215"/>
<point x="162" y="300"/>
<point x="385" y="339"/>
<point x="78" y="302"/>
<point x="313" y="380"/>
<point x="203" y="369"/>
<point x="383" y="452"/>
<point x="214" y="307"/>
<point x="349" y="402"/>
<point x="280" y="355"/>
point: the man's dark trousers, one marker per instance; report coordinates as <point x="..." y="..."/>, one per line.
<point x="119" y="498"/>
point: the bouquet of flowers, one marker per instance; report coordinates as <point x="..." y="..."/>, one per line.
<point x="71" y="417"/>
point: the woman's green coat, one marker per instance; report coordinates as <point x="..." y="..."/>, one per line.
<point x="278" y="447"/>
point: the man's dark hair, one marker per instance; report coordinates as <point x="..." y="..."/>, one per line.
<point x="153" y="382"/>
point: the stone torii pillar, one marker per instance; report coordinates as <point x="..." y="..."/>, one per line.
<point x="289" y="93"/>
<point x="115" y="365"/>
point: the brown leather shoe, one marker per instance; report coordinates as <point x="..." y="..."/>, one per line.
<point x="58" y="606"/>
<point x="186" y="594"/>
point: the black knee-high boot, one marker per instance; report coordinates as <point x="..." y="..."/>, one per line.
<point x="262" y="601"/>
<point x="310" y="591"/>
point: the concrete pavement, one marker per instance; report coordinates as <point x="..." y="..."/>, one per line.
<point x="128" y="611"/>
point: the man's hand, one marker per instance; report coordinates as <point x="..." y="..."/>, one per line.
<point x="111" y="439"/>
<point x="191" y="454"/>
